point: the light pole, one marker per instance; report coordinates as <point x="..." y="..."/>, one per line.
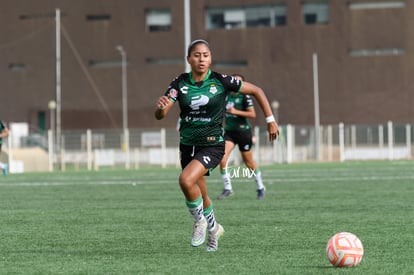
<point x="58" y="85"/>
<point x="187" y="32"/>
<point x="122" y="52"/>
<point x="316" y="105"/>
<point x="125" y="146"/>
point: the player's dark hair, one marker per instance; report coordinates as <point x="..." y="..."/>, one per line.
<point x="194" y="43"/>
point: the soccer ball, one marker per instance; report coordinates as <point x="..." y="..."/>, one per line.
<point x="344" y="250"/>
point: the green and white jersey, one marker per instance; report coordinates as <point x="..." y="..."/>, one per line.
<point x="240" y="102"/>
<point x="202" y="106"/>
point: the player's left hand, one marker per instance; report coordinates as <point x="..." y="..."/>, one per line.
<point x="230" y="110"/>
<point x="273" y="130"/>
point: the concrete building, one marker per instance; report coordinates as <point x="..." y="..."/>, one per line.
<point x="365" y="51"/>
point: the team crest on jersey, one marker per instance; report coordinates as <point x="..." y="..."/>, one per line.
<point x="173" y="93"/>
<point x="213" y="89"/>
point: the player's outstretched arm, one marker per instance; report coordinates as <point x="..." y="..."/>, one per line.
<point x="248" y="113"/>
<point x="257" y="92"/>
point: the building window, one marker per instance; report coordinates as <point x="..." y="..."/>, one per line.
<point x="165" y="61"/>
<point x="230" y="64"/>
<point x="377" y="52"/>
<point x="158" y="20"/>
<point x="105" y="63"/>
<point x="31" y="16"/>
<point x="17" y="67"/>
<point x="315" y="12"/>
<point x="354" y="5"/>
<point x="242" y="17"/>
<point x="98" y="17"/>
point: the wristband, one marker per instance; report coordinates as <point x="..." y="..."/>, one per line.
<point x="270" y="119"/>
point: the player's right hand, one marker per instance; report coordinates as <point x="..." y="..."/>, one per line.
<point x="163" y="102"/>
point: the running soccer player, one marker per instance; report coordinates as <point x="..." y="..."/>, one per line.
<point x="239" y="108"/>
<point x="201" y="97"/>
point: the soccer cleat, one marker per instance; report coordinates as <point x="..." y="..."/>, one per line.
<point x="213" y="236"/>
<point x="199" y="232"/>
<point x="226" y="193"/>
<point x="260" y="194"/>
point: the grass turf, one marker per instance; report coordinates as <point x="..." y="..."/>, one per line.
<point x="136" y="222"/>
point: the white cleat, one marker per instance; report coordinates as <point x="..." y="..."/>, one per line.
<point x="213" y="236"/>
<point x="199" y="232"/>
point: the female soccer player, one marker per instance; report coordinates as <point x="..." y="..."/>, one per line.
<point x="239" y="108"/>
<point x="201" y="96"/>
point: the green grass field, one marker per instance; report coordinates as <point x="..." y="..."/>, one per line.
<point x="136" y="222"/>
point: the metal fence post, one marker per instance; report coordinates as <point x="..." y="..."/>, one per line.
<point x="408" y="139"/>
<point x="89" y="148"/>
<point x="390" y="141"/>
<point x="51" y="149"/>
<point x="290" y="142"/>
<point x="341" y="142"/>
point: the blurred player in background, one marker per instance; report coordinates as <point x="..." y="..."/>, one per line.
<point x="239" y="108"/>
<point x="201" y="96"/>
<point x="4" y="132"/>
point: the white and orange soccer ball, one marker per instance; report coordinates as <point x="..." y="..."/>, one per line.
<point x="344" y="249"/>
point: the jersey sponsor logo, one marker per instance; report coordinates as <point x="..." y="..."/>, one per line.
<point x="198" y="101"/>
<point x="206" y="159"/>
<point x="213" y="89"/>
<point x="184" y="89"/>
<point x="202" y="119"/>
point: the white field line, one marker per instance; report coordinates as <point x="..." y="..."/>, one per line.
<point x="272" y="180"/>
<point x="68" y="183"/>
<point x="313" y="179"/>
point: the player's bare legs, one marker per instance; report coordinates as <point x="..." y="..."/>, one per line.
<point x="191" y="177"/>
<point x="193" y="184"/>
<point x="248" y="160"/>
<point x="229" y="146"/>
<point x="252" y="165"/>
<point x="227" y="190"/>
